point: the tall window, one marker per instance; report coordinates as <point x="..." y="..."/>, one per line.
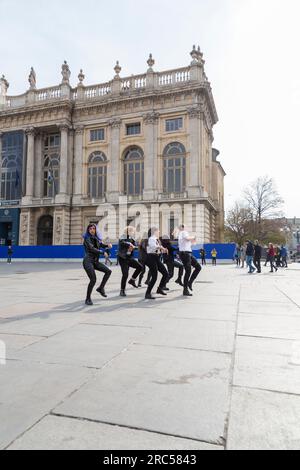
<point x="51" y="165"/>
<point x="134" y="172"/>
<point x="11" y="179"/>
<point x="174" y="168"/>
<point x="11" y="166"/>
<point x="96" y="135"/>
<point x="133" y="129"/>
<point x="97" y="175"/>
<point x="173" y="125"/>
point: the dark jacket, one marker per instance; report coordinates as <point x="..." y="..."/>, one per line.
<point x="250" y="249"/>
<point x="257" y="251"/>
<point x="167" y="257"/>
<point x="143" y="250"/>
<point x="92" y="247"/>
<point x="124" y="244"/>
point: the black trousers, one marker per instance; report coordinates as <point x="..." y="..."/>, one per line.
<point x="155" y="266"/>
<point x="272" y="263"/>
<point x="90" y="268"/>
<point x="125" y="264"/>
<point x="203" y="260"/>
<point x="171" y="265"/>
<point x="189" y="261"/>
<point x="257" y="264"/>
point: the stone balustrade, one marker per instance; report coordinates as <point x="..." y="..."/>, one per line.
<point x="127" y="85"/>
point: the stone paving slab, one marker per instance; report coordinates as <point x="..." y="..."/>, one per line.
<point x="29" y="391"/>
<point x="17" y="342"/>
<point x="261" y="420"/>
<point x="270" y="308"/>
<point x="178" y="392"/>
<point x="59" y="433"/>
<point x="269" y="364"/>
<point x="193" y="334"/>
<point x="269" y="326"/>
<point x="83" y="345"/>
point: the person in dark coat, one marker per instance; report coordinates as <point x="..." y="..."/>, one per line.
<point x="9" y="253"/>
<point x="257" y="256"/>
<point x="249" y="256"/>
<point x="93" y="245"/>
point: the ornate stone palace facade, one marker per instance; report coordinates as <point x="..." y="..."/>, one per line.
<point x="68" y="152"/>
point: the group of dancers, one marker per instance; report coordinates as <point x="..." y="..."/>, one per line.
<point x="157" y="254"/>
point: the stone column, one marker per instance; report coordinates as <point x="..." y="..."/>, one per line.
<point x="63" y="170"/>
<point x="194" y="176"/>
<point x="151" y="161"/>
<point x="30" y="133"/>
<point x="113" y="177"/>
<point x="78" y="164"/>
<point x="38" y="176"/>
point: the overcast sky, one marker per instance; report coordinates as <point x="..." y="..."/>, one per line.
<point x="251" y="48"/>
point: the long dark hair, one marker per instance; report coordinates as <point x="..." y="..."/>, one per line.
<point x="87" y="233"/>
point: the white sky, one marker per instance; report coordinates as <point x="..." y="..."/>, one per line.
<point x="252" y="57"/>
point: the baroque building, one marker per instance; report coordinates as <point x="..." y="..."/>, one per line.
<point x="70" y="156"/>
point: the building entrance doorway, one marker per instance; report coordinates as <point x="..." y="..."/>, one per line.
<point x="45" y="231"/>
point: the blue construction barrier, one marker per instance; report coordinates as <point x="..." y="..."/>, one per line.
<point x="225" y="251"/>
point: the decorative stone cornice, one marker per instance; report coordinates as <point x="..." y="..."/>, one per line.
<point x="151" y="118"/>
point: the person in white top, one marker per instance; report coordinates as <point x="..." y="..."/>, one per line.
<point x="153" y="261"/>
<point x="185" y="242"/>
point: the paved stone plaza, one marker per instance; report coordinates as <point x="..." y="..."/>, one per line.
<point x="219" y="370"/>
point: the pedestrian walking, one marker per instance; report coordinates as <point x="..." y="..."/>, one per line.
<point x="9" y="254"/>
<point x="284" y="256"/>
<point x="214" y="255"/>
<point x="249" y="257"/>
<point x="271" y="253"/>
<point x="203" y="256"/>
<point x="257" y="256"/>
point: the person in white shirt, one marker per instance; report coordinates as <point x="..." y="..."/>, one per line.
<point x="185" y="242"/>
<point x="153" y="261"/>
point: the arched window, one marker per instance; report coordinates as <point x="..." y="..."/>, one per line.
<point x="11" y="178"/>
<point x="51" y="175"/>
<point x="97" y="175"/>
<point x="134" y="171"/>
<point x="45" y="231"/>
<point x="174" y="168"/>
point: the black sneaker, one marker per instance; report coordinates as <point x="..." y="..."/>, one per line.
<point x="132" y="283"/>
<point x="101" y="292"/>
<point x="161" y="292"/>
<point x="186" y="293"/>
<point x="88" y="302"/>
<point x="123" y="293"/>
<point x="149" y="297"/>
<point x="178" y="281"/>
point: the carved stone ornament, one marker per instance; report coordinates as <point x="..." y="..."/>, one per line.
<point x="151" y="118"/>
<point x="4" y="85"/>
<point x="81" y="77"/>
<point x="30" y="131"/>
<point x="195" y="112"/>
<point x="115" y="123"/>
<point x="79" y="130"/>
<point x="117" y="69"/>
<point x="150" y="62"/>
<point x="66" y="72"/>
<point x="32" y="79"/>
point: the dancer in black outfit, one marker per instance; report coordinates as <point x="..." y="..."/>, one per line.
<point x="127" y="245"/>
<point x="92" y="246"/>
<point x="170" y="260"/>
<point x="188" y="260"/>
<point x="142" y="257"/>
<point x="153" y="261"/>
